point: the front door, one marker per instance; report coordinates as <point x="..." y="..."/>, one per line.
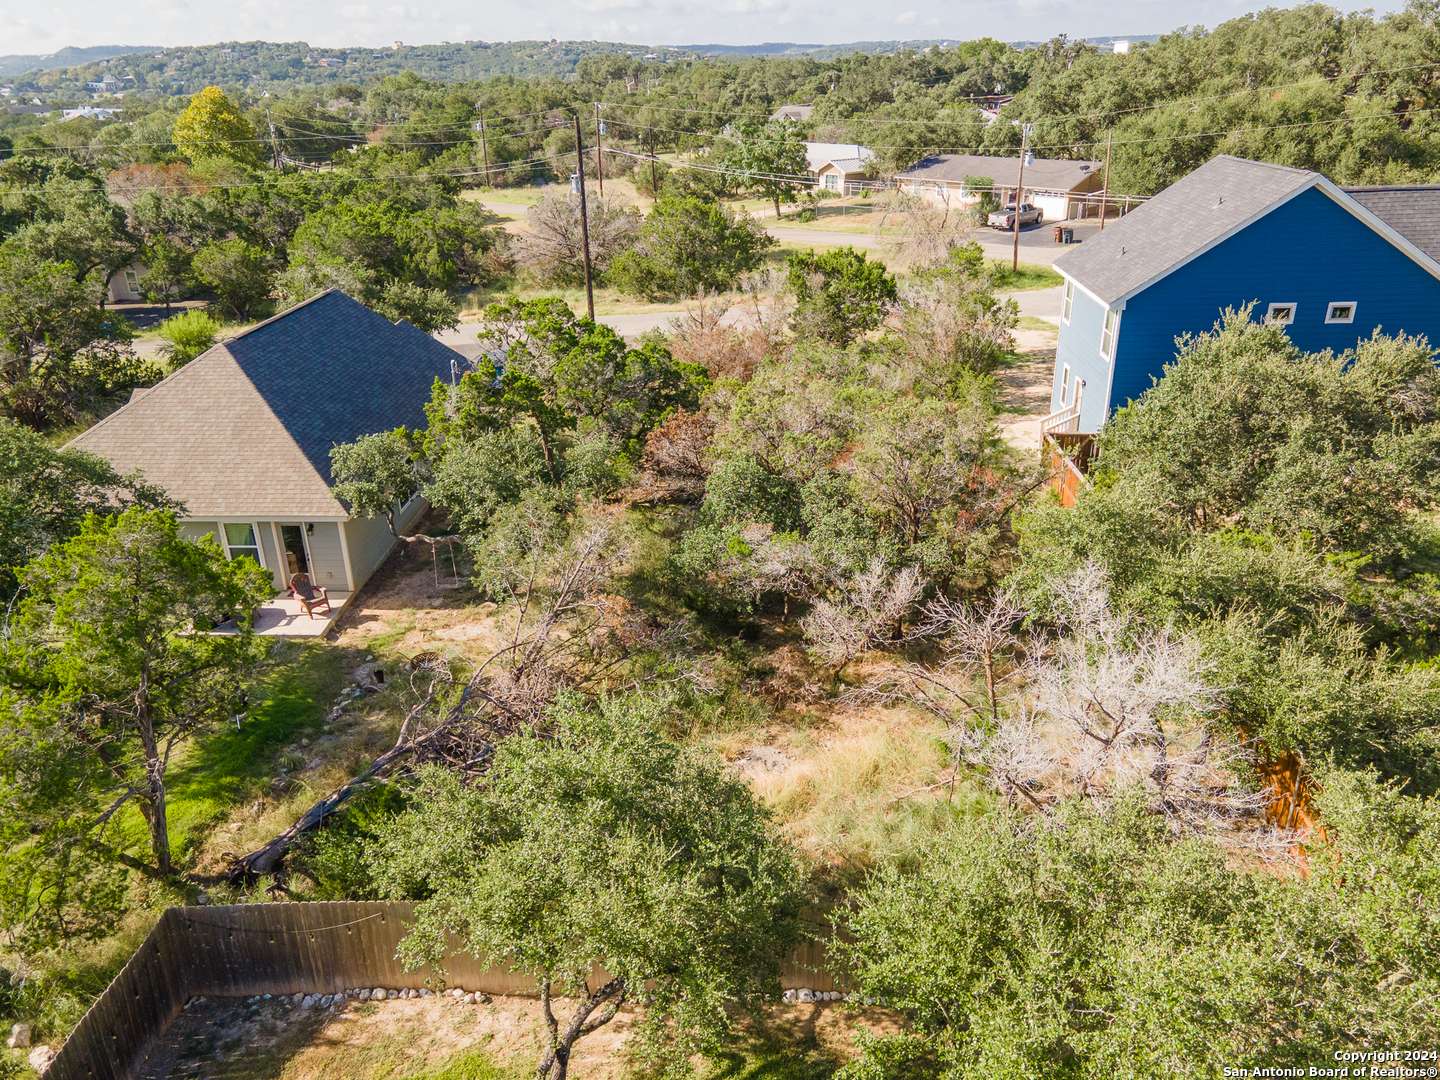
<point x="294" y="551"/>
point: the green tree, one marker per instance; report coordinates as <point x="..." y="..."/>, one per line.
<point x="187" y="335"/>
<point x="167" y="272"/>
<point x="109" y="669"/>
<point x="688" y="246"/>
<point x="47" y="492"/>
<point x="1098" y="946"/>
<point x="59" y="351"/>
<point x="376" y="474"/>
<point x="1245" y="428"/>
<point x="213" y="127"/>
<point x="604" y="845"/>
<point x="839" y="294"/>
<point x="772" y="158"/>
<point x="239" y="273"/>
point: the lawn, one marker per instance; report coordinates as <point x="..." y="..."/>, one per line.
<point x="1025" y="277"/>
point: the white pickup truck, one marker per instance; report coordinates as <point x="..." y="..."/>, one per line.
<point x="1004" y="218"/>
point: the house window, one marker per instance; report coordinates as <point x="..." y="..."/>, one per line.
<point x="832" y="182"/>
<point x="1068" y="302"/>
<point x="1065" y="384"/>
<point x="1107" y="333"/>
<point x="1340" y="311"/>
<point x="132" y="282"/>
<point x="1280" y="314"/>
<point x="241" y="539"/>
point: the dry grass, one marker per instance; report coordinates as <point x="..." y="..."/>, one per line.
<point x="857" y="788"/>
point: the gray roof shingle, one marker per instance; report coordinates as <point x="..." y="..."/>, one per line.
<point x="1411" y="210"/>
<point x="245" y="429"/>
<point x="1046" y="174"/>
<point x="1179" y="223"/>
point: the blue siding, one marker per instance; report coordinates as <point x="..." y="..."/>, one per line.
<point x="1308" y="251"/>
<point x="1079" y="346"/>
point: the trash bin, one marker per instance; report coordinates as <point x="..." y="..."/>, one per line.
<point x="1059" y="234"/>
<point x="1067" y="236"/>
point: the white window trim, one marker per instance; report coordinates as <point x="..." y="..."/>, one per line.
<point x="1114" y="333"/>
<point x="1067" y="302"/>
<point x="1270" y="319"/>
<point x="255" y="529"/>
<point x="1333" y="304"/>
<point x="1064" y="385"/>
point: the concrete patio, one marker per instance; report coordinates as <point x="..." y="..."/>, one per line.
<point x="284" y="617"/>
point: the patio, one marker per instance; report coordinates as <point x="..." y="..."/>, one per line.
<point x="283" y="616"/>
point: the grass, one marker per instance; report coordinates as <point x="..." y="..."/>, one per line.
<point x="1027" y="276"/>
<point x="472" y="1065"/>
<point x="215" y="774"/>
<point x="1034" y="322"/>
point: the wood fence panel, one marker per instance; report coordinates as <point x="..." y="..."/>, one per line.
<point x="317" y="948"/>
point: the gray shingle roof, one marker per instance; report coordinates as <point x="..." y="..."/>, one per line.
<point x="1048" y="174"/>
<point x="1411" y="210"/>
<point x="245" y="429"/>
<point x="1179" y="223"/>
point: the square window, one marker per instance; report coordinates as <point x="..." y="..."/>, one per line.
<point x="1282" y="314"/>
<point x="1340" y="311"/>
<point x="240" y="540"/>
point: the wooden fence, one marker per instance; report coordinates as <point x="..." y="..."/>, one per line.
<point x="283" y="949"/>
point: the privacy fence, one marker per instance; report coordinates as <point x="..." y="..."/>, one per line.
<point x="283" y="949"/>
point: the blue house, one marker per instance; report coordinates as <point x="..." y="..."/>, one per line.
<point x="1330" y="265"/>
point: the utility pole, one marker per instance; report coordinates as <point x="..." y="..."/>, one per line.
<point x="274" y="145"/>
<point x="584" y="219"/>
<point x="1019" y="195"/>
<point x="654" y="176"/>
<point x="484" y="152"/>
<point x="1105" y="191"/>
<point x="599" y="149"/>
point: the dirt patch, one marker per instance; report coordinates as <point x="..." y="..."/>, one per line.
<point x="1025" y="388"/>
<point x="279" y="1039"/>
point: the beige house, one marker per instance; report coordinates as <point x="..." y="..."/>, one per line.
<point x="241" y="435"/>
<point x="838" y="167"/>
<point x="1061" y="188"/>
<point x="124" y="286"/>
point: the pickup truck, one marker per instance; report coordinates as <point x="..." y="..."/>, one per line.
<point x="1005" y="217"/>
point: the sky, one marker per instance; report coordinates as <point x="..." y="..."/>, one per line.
<point x="28" y="27"/>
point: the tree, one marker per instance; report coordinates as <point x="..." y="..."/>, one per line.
<point x="47" y="492"/>
<point x="689" y="246"/>
<point x="212" y="127"/>
<point x="551" y="247"/>
<point x="771" y="157"/>
<point x="187" y="335"/>
<point x="239" y="273"/>
<point x="1098" y="945"/>
<point x="839" y="294"/>
<point x="376" y="474"/>
<point x="604" y="845"/>
<point x="109" y="669"/>
<point x="58" y="350"/>
<point x="1245" y="428"/>
<point x="949" y="321"/>
<point x="167" y="272"/>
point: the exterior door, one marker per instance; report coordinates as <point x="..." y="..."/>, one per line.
<point x="294" y="551"/>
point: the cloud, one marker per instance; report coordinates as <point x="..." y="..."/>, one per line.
<point x="905" y="18"/>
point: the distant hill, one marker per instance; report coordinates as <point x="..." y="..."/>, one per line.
<point x="259" y="65"/>
<point x="70" y="56"/>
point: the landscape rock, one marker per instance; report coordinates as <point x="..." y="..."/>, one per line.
<point x="377" y="994"/>
<point x="40" y="1058"/>
<point x="426" y="991"/>
<point x="483" y="998"/>
<point x="805" y="996"/>
<point x="19" y="1037"/>
<point x="788" y="995"/>
<point x="392" y="994"/>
